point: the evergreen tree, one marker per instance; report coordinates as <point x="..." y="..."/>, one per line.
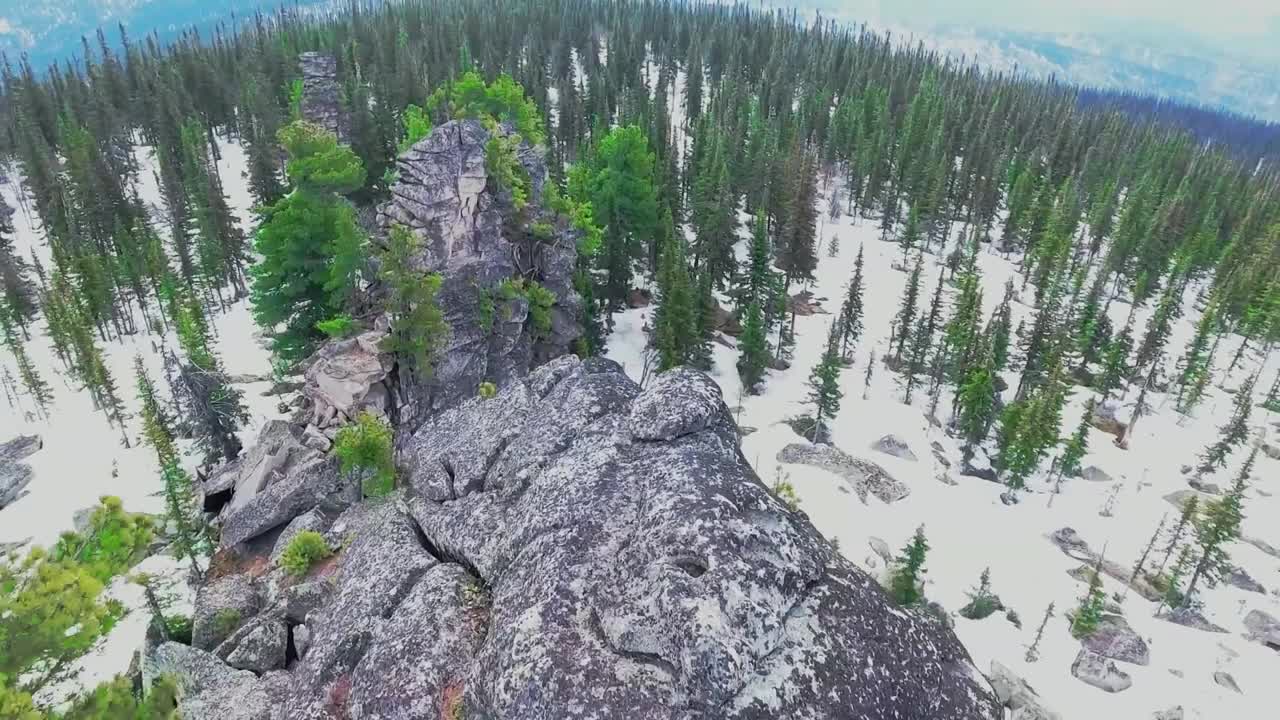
<point x="418" y="329"/>
<point x="39" y="390"/>
<point x="824" y="386"/>
<point x="906" y="318"/>
<point x="675" y="320"/>
<point x="1235" y="432"/>
<point x="1089" y="613"/>
<point x="310" y="242"/>
<point x="905" y="585"/>
<point x="753" y="347"/>
<point x="976" y="404"/>
<point x="851" y="312"/>
<point x="1077" y="445"/>
<point x="1217" y="526"/>
<point x="215" y="408"/>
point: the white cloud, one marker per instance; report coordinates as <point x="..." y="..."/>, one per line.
<point x="5" y="26"/>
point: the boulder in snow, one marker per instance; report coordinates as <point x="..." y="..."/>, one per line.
<point x="1173" y="713"/>
<point x="863" y="476"/>
<point x="1114" y="639"/>
<point x="1239" y="578"/>
<point x="1263" y="628"/>
<point x="1107" y="418"/>
<point x="895" y="446"/>
<point x="1188" y="617"/>
<point x="1100" y="672"/>
<point x="1207" y="488"/>
<point x="979" y="466"/>
<point x="1225" y="680"/>
<point x="15" y="475"/>
<point x="1271" y="451"/>
<point x="1262" y="545"/>
<point x="1015" y="694"/>
<point x="881" y="548"/>
<point x="1093" y="473"/>
<point x="1070" y="542"/>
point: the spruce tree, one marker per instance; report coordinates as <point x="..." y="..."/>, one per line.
<point x="418" y="329"/>
<point x="905" y="320"/>
<point x="975" y="404"/>
<point x="675" y="320"/>
<point x="1234" y="433"/>
<point x="905" y="584"/>
<point x="310" y="243"/>
<point x="1089" y="613"/>
<point x="851" y="312"/>
<point x="1217" y="526"/>
<point x="1187" y="519"/>
<point x="753" y="348"/>
<point x="824" y="386"/>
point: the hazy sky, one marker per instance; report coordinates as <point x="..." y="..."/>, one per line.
<point x="1243" y="24"/>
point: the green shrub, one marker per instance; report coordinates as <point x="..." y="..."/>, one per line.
<point x="304" y="550"/>
<point x="338" y="327"/>
<point x="786" y="492"/>
<point x="417" y="125"/>
<point x="179" y="628"/>
<point x="364" y="446"/>
<point x="225" y="622"/>
<point x="487" y="390"/>
<point x="505" y="169"/>
<point x="543" y="231"/>
<point x="486" y="308"/>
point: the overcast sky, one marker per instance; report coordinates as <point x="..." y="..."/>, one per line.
<point x="1249" y="25"/>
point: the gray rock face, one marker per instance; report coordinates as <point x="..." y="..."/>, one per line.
<point x="1263" y="628"/>
<point x="1114" y="639"/>
<point x="444" y="194"/>
<point x="347" y="376"/>
<point x="1100" y="672"/>
<point x="321" y="95"/>
<point x="221" y="607"/>
<point x="616" y="557"/>
<point x="212" y="690"/>
<point x="862" y="476"/>
<point x="1015" y="694"/>
<point x="14" y="474"/>
<point x="262" y="648"/>
<point x="895" y="446"/>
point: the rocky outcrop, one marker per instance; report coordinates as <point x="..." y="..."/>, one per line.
<point x="1189" y="617"/>
<point x="862" y="476"/>
<point x="576" y="547"/>
<point x="15" y="475"/>
<point x="1100" y="672"/>
<point x="1113" y="638"/>
<point x="895" y="446"/>
<point x="1074" y="546"/>
<point x="321" y="101"/>
<point x="445" y="195"/>
<point x="1227" y="681"/>
<point x="1110" y="417"/>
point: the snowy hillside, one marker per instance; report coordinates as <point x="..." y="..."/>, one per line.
<point x="83" y="456"/>
<point x="969" y="528"/>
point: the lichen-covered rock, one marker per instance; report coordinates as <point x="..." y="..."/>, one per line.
<point x="863" y="476"/>
<point x="14" y="474"/>
<point x="1113" y="638"/>
<point x="212" y="690"/>
<point x="321" y="101"/>
<point x="678" y="402"/>
<point x="1100" y="672"/>
<point x="444" y="195"/>
<point x="262" y="648"/>
<point x="303" y="487"/>
<point x="346" y="377"/>
<point x="895" y="446"/>
<point x="221" y="607"/>
<point x="589" y="573"/>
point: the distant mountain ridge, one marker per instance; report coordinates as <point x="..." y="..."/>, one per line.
<point x="49" y="31"/>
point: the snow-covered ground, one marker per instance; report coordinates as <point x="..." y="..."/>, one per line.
<point x="968" y="527"/>
<point x="83" y="456"/>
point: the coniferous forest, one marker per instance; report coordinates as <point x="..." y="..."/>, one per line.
<point x="696" y="149"/>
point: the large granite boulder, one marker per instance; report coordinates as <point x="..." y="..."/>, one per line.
<point x="1100" y="672"/>
<point x="611" y="555"/>
<point x="1114" y="639"/>
<point x="15" y="475"/>
<point x="862" y="476"/>
<point x="348" y="376"/>
<point x="1014" y="693"/>
<point x="1263" y="628"/>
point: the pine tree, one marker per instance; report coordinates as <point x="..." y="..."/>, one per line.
<point x="998" y="329"/>
<point x="1033" y="653"/>
<point x="866" y="378"/>
<point x="17" y="292"/>
<point x="1115" y="366"/>
<point x="418" y="329"/>
<point x="1217" y="526"/>
<point x="824" y="386"/>
<point x="1146" y="552"/>
<point x="906" y="318"/>
<point x="675" y="320"/>
<point x="215" y="408"/>
<point x="753" y="348"/>
<point x="909" y="240"/>
<point x="922" y="339"/>
<point x="1089" y="613"/>
<point x="795" y="253"/>
<point x="1234" y="433"/>
<point x="1196" y="361"/>
<point x="982" y="602"/>
<point x="851" y="312"/>
<point x="975" y="404"/>
<point x="39" y="390"/>
<point x="1187" y="519"/>
<point x="905" y="585"/>
<point x="1077" y="445"/>
<point x="310" y="242"/>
